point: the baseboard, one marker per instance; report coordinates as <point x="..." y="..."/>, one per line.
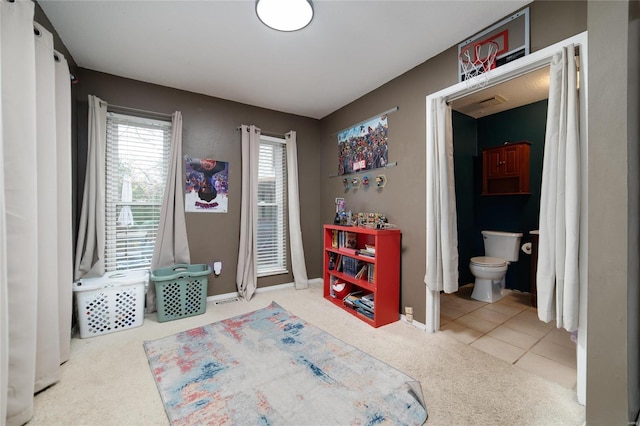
<point x="235" y="294"/>
<point x="416" y="324"/>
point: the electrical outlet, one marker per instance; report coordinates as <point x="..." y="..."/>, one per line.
<point x="217" y="267"/>
<point x="408" y="313"/>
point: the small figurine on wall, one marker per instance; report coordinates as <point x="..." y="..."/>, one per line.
<point x="381" y="181"/>
<point x="365" y="180"/>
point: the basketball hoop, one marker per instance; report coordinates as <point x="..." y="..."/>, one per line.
<point x="475" y="64"/>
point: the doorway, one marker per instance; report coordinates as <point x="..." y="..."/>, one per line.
<point x="506" y="73"/>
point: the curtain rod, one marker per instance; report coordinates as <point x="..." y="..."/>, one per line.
<point x="116" y="108"/>
<point x="268" y="133"/>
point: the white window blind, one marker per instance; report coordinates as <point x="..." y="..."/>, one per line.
<point x="272" y="204"/>
<point x="137" y="161"/>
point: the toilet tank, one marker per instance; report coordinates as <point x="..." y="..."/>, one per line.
<point x="503" y="245"/>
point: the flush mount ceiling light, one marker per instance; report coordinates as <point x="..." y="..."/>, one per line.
<point x="285" y="15"/>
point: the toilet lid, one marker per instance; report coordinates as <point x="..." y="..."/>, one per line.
<point x="488" y="261"/>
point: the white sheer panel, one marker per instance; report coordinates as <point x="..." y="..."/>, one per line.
<point x="19" y="149"/>
<point x="48" y="344"/>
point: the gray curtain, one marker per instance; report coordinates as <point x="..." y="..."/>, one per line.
<point x="246" y="275"/>
<point x="172" y="246"/>
<point x="91" y="234"/>
<point x="295" y="232"/>
<point x="34" y="304"/>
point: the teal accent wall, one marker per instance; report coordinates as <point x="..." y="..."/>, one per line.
<point x="511" y="213"/>
<point x="465" y="151"/>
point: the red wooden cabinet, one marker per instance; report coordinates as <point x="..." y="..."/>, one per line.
<point x="505" y="169"/>
<point x="347" y="261"/>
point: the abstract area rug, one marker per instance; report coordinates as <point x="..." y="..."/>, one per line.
<point x="270" y="367"/>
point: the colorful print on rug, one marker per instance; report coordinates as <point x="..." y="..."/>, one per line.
<point x="270" y="367"/>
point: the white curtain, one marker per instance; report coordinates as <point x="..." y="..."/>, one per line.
<point x="4" y="290"/>
<point x="295" y="232"/>
<point x="558" y="277"/>
<point x="246" y="274"/>
<point x="172" y="246"/>
<point x="442" y="232"/>
<point x="91" y="233"/>
<point x="47" y="229"/>
<point x="65" y="227"/>
<point x="30" y="292"/>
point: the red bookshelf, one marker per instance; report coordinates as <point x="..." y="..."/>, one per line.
<point x="381" y="276"/>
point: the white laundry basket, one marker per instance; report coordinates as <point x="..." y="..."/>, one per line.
<point x="112" y="302"/>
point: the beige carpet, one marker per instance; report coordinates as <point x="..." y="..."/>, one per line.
<point x="107" y="380"/>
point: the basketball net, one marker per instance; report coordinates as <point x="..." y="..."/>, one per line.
<point x="476" y="64"/>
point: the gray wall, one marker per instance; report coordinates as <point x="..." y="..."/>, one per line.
<point x="612" y="338"/>
<point x="403" y="197"/>
<point x="210" y="130"/>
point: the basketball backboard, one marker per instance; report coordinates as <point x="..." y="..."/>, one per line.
<point x="510" y="35"/>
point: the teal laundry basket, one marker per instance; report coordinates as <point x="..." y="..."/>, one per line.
<point x="181" y="291"/>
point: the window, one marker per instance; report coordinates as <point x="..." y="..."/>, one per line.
<point x="137" y="160"/>
<point x="272" y="204"/>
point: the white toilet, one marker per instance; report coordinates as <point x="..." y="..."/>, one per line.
<point x="500" y="248"/>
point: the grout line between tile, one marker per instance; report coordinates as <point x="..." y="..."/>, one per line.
<point x="539" y="339"/>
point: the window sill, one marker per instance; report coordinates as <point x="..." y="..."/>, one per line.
<point x="273" y="272"/>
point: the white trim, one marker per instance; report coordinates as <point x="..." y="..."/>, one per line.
<point x="224" y="296"/>
<point x="258" y="290"/>
<point x="511" y="70"/>
<point x="414" y="323"/>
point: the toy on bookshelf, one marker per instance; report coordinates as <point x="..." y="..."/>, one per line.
<point x="341" y="289"/>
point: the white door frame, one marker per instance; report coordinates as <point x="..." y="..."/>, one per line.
<point x="510" y="71"/>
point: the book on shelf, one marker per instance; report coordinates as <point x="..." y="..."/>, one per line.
<point x="365" y="303"/>
<point x="361" y="272"/>
<point x="363" y="252"/>
<point x="351" y="240"/>
<point x="353" y="267"/>
<point x="365" y="313"/>
<point x="347" y="239"/>
<point x="368" y="250"/>
<point x="370" y="273"/>
<point x="334" y="238"/>
<point x="349" y="251"/>
<point x="350" y="299"/>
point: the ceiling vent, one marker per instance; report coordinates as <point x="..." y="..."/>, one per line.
<point x="495" y="100"/>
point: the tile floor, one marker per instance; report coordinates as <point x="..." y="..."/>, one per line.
<point x="510" y="330"/>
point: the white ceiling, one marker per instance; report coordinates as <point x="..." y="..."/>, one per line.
<point x="221" y="49"/>
<point x="523" y="90"/>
